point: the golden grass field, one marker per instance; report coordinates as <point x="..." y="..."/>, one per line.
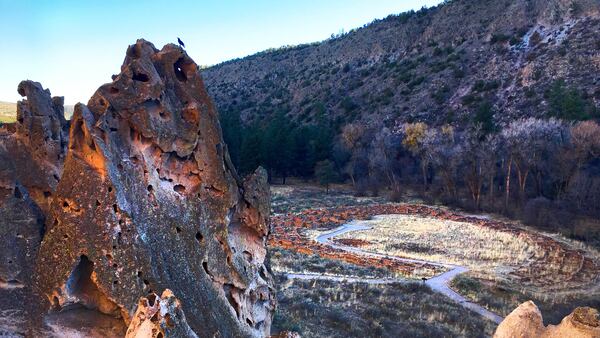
<point x="438" y="240"/>
<point x="8" y="112"/>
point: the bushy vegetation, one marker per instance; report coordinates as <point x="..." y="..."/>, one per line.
<point x="281" y="146"/>
<point x="545" y="171"/>
<point x="331" y="309"/>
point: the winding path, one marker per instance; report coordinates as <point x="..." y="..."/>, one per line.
<point x="438" y="283"/>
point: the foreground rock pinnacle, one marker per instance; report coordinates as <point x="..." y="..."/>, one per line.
<point x="147" y="202"/>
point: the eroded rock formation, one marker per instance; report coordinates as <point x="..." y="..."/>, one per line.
<point x="159" y="316"/>
<point x="148" y="202"/>
<point x="526" y="321"/>
<point x="32" y="152"/>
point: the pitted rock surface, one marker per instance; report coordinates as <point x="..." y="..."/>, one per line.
<point x="32" y="152"/>
<point x="159" y="316"/>
<point x="526" y="321"/>
<point x="148" y="202"/>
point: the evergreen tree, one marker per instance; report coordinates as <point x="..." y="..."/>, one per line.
<point x="325" y="173"/>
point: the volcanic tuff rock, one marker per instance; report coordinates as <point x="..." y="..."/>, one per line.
<point x="147" y="202"/>
<point x="139" y="200"/>
<point x="32" y="152"/>
<point x="437" y="65"/>
<point x="159" y="317"/>
<point x="526" y="321"/>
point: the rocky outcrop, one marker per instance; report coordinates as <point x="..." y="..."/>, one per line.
<point x="148" y="202"/>
<point x="526" y="321"/>
<point x="159" y="316"/>
<point x="32" y="152"/>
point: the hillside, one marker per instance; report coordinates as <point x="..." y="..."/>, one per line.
<point x="458" y="62"/>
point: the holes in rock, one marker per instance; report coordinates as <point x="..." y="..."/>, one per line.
<point x="113" y="90"/>
<point x="47" y="194"/>
<point x="178" y="68"/>
<point x="164" y="115"/>
<point x="249" y="322"/>
<point x="115" y="282"/>
<point x="65" y="236"/>
<point x="82" y="291"/>
<point x="160" y="335"/>
<point x="229" y="289"/>
<point x="109" y="189"/>
<point x="115" y="208"/>
<point x="140" y="77"/>
<point x="262" y="274"/>
<point x="18" y="193"/>
<point x="65" y="204"/>
<point x="98" y="203"/>
<point x="151" y="300"/>
<point x="178" y="229"/>
<point x="139" y="274"/>
<point x="179" y="188"/>
<point x="109" y="256"/>
<point x="146" y="282"/>
<point x="205" y="267"/>
<point x="199" y="236"/>
<point x="248" y="256"/>
<point x="150" y="188"/>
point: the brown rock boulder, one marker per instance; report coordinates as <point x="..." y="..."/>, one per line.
<point x="148" y="202"/>
<point x="32" y="152"/>
<point x="526" y="321"/>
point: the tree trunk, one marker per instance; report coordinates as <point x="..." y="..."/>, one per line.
<point x="424" y="171"/>
<point x="507" y="186"/>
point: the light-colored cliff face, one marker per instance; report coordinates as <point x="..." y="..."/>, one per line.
<point x="526" y="321"/>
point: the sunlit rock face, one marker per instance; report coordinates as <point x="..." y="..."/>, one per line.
<point x="526" y="321"/>
<point x="32" y="152"/>
<point x="149" y="201"/>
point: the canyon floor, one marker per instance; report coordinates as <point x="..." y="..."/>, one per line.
<point x="350" y="266"/>
<point x="359" y="266"/>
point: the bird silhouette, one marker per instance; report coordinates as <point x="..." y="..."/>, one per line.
<point x="181" y="42"/>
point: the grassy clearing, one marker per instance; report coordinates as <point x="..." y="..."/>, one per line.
<point x="295" y="198"/>
<point x="8" y="112"/>
<point x="480" y="249"/>
<point x="286" y="261"/>
<point x="7" y="119"/>
<point x="332" y="309"/>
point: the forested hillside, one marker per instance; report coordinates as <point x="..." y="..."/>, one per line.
<point x="486" y="104"/>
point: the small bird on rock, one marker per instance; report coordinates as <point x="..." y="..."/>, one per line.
<point x="181" y="42"/>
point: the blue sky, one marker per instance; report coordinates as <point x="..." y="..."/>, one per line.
<point x="73" y="47"/>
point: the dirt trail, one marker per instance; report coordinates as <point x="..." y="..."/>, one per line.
<point x="438" y="283"/>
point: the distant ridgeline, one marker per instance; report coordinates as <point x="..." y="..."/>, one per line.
<point x="445" y="64"/>
<point x="8" y="112"/>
